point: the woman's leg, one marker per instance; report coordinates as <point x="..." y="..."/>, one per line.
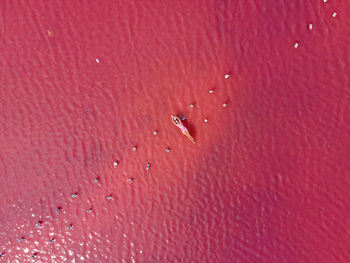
<point x="189" y="136"/>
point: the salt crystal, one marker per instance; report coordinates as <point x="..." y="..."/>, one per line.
<point x="191" y="105"/>
<point x="296" y="44"/>
<point x="155" y="133"/>
<point x="224" y="105"/>
<point x="167" y="150"/>
<point x="325" y="1"/>
<point x="227" y="76"/>
<point x="134" y="148"/>
<point x="97" y="60"/>
<point x="211" y="91"/>
<point x="205" y="120"/>
<point x="334" y="14"/>
<point x="310" y="26"/>
<point x="116" y="163"/>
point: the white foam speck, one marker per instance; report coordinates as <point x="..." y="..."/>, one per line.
<point x="63" y="258"/>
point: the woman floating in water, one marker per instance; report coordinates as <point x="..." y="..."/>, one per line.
<point x="184" y="130"/>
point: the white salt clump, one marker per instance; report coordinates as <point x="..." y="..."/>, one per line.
<point x="97" y="60"/>
<point x="227" y="76"/>
<point x="325" y="1"/>
<point x="296" y="44"/>
<point x="116" y="163"/>
<point x="205" y="120"/>
<point x="334" y="14"/>
<point x="310" y="26"/>
<point x="134" y="148"/>
<point x="191" y="105"/>
<point x="167" y="150"/>
<point x="155" y="133"/>
<point x="224" y="105"/>
<point x="211" y="91"/>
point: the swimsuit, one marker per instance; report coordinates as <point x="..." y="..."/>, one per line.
<point x="182" y="127"/>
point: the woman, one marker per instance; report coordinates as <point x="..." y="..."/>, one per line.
<point x="184" y="130"/>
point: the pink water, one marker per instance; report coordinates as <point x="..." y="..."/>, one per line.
<point x="83" y="82"/>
